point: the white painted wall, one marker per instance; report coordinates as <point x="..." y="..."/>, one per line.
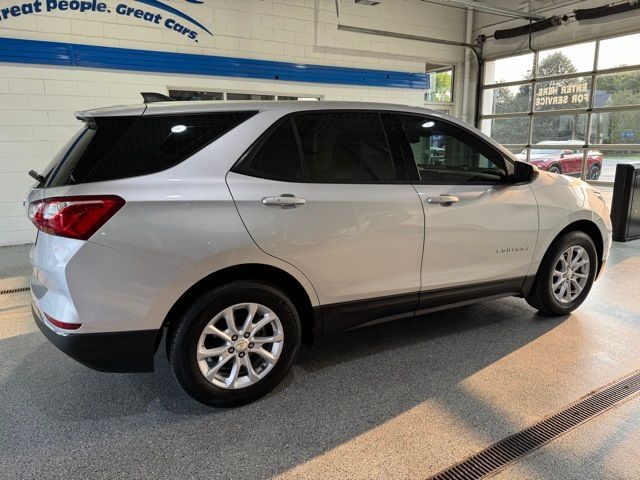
<point x="37" y="103"/>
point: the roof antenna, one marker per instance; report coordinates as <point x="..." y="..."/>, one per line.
<point x="151" y="97"/>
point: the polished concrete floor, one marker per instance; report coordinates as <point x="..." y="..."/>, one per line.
<point x="400" y="400"/>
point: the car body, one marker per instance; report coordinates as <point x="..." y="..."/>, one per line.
<point x="338" y="206"/>
<point x="567" y="161"/>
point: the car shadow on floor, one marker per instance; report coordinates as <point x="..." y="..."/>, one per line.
<point x="342" y="387"/>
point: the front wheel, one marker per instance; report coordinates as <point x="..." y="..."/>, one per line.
<point x="235" y="344"/>
<point x="554" y="169"/>
<point x="565" y="275"/>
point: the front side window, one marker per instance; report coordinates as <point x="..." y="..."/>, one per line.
<point x="448" y="155"/>
<point x="345" y="147"/>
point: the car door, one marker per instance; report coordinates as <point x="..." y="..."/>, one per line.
<point x="481" y="229"/>
<point x="323" y="191"/>
<point x="571" y="161"/>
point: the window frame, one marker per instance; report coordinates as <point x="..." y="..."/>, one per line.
<point x="413" y="166"/>
<point x="395" y="154"/>
<point x="591" y="109"/>
<point x="443" y="68"/>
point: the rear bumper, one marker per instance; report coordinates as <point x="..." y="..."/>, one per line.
<point x="106" y="352"/>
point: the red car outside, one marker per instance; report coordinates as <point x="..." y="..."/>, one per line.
<point x="567" y="161"/>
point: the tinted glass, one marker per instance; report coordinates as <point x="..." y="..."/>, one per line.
<point x="446" y="154"/>
<point x="120" y="147"/>
<point x="195" y="95"/>
<point x="278" y="157"/>
<point x="249" y="96"/>
<point x="345" y="147"/>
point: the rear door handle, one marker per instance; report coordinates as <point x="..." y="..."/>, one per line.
<point x="445" y="200"/>
<point x="286" y="200"/>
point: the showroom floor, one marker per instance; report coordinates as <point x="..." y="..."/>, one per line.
<point x="399" y="400"/>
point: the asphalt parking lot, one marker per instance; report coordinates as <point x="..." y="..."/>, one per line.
<point x="398" y="400"/>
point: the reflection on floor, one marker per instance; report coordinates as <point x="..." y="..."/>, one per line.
<point x="399" y="400"/>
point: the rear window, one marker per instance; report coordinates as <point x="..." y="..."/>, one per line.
<point x="109" y="148"/>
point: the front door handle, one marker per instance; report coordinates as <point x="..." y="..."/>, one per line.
<point x="445" y="200"/>
<point x="286" y="200"/>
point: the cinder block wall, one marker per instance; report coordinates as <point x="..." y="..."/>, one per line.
<point x="37" y="102"/>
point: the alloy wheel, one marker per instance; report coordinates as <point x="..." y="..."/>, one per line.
<point x="570" y="274"/>
<point x="240" y="345"/>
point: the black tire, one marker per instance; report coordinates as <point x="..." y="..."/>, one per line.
<point x="594" y="172"/>
<point x="555" y="169"/>
<point x="541" y="295"/>
<point x="183" y="342"/>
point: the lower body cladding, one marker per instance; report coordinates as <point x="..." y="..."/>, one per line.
<point x="343" y="316"/>
<point x="133" y="351"/>
<point x="105" y="352"/>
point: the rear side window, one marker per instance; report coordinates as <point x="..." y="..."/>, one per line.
<point x="277" y="158"/>
<point x="346" y="147"/>
<point x="325" y="147"/>
<point x="110" y="148"/>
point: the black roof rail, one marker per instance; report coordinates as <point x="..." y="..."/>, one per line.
<point x="151" y="97"/>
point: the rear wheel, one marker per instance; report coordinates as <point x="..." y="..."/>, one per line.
<point x="235" y="344"/>
<point x="565" y="276"/>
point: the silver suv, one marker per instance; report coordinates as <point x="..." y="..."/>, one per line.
<point x="242" y="230"/>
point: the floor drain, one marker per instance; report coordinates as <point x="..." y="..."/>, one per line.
<point x="494" y="458"/>
<point x="14" y="290"/>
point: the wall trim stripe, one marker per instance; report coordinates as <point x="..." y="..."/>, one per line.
<point x="89" y="56"/>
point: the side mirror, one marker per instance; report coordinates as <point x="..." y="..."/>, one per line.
<point x="523" y="172"/>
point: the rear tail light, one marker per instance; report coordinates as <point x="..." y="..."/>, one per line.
<point x="63" y="325"/>
<point x="74" y="217"/>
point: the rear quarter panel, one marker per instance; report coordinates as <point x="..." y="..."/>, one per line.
<point x="177" y="227"/>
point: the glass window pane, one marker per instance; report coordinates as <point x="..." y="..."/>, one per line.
<point x="278" y="158"/>
<point x="345" y="147"/>
<point x="506" y="100"/>
<point x="568" y="93"/>
<point x="445" y="154"/>
<point x="122" y="147"/>
<point x="516" y="150"/>
<point x="195" y="95"/>
<point x="507" y="130"/>
<point x="509" y="69"/>
<point x="616" y="127"/>
<point x="249" y="96"/>
<point x="610" y="160"/>
<point x="559" y="128"/>
<point x="618" y="89"/>
<point x="570" y="59"/>
<point x="440" y="86"/>
<point x="619" y="51"/>
<point x="566" y="160"/>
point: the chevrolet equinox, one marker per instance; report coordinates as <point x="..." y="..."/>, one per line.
<point x="238" y="231"/>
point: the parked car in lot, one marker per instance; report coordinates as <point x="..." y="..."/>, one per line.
<point x="567" y="161"/>
<point x="241" y="230"/>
